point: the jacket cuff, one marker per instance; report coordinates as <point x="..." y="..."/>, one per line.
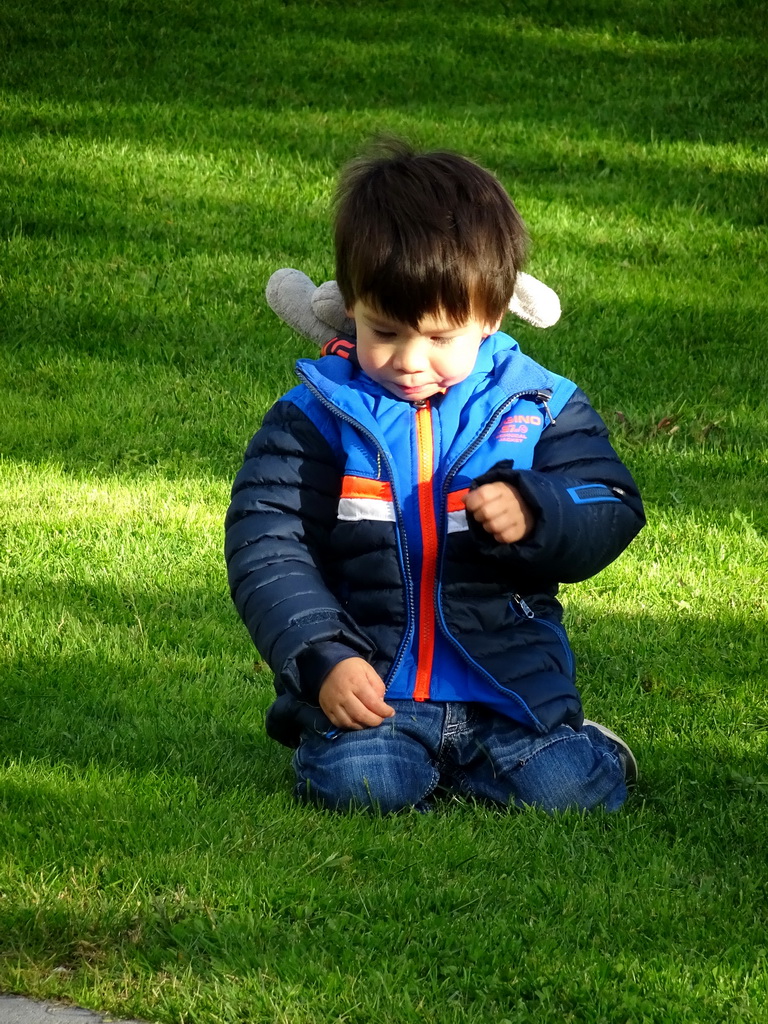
<point x="316" y="662"/>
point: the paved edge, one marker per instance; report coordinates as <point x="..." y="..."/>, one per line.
<point x="21" y="1010"/>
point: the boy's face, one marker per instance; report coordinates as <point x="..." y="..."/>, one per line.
<point x="416" y="364"/>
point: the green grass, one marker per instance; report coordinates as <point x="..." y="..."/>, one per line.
<point x="157" y="162"/>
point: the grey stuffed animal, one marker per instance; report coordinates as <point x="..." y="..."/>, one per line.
<point x="318" y="312"/>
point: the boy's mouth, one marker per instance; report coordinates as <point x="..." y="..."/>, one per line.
<point x="417" y="392"/>
<point x="413" y="388"/>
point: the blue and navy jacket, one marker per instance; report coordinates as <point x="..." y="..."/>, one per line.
<point x="347" y="535"/>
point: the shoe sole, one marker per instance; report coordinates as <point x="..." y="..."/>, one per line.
<point x="631" y="771"/>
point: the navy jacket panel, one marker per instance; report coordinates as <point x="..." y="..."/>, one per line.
<point x="283" y="506"/>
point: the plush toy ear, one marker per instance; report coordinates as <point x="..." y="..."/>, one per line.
<point x="319" y="313"/>
<point x="289" y="294"/>
<point x="328" y="306"/>
<point x="534" y="301"/>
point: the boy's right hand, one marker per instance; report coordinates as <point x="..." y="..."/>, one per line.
<point x="352" y="695"/>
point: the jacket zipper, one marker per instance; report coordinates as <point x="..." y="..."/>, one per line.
<point x="429" y="549"/>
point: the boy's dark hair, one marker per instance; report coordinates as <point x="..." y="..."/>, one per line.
<point x="418" y="233"/>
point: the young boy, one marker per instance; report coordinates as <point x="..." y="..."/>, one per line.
<point x="404" y="516"/>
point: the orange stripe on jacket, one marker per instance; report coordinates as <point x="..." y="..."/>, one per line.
<point x="456" y="500"/>
<point x="363" y="487"/>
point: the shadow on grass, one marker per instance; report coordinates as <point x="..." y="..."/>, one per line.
<point x="123" y="704"/>
<point x="669" y="70"/>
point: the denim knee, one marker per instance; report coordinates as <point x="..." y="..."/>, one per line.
<point x="570" y="773"/>
<point x="376" y="769"/>
<point x="563" y="770"/>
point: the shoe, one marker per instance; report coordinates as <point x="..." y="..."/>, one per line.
<point x="626" y="756"/>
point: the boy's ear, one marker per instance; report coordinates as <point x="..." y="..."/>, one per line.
<point x="491" y="328"/>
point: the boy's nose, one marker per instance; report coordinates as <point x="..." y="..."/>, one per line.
<point x="410" y="358"/>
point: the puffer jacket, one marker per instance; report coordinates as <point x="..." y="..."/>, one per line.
<point x="347" y="535"/>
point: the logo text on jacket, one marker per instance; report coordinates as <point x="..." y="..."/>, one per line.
<point x="515" y="428"/>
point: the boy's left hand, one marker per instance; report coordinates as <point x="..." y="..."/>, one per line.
<point x="500" y="511"/>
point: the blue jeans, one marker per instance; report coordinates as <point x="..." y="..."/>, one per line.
<point x="462" y="747"/>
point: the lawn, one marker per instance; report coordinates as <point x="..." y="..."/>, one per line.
<point x="157" y="163"/>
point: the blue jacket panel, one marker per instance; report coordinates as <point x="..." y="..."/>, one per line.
<point x="326" y="544"/>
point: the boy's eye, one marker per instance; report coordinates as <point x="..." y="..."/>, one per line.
<point x="383" y="334"/>
<point x="441" y="341"/>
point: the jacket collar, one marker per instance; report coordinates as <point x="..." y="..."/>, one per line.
<point x="501" y="369"/>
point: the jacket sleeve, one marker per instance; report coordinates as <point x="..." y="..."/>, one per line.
<point x="284" y="503"/>
<point x="585" y="503"/>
